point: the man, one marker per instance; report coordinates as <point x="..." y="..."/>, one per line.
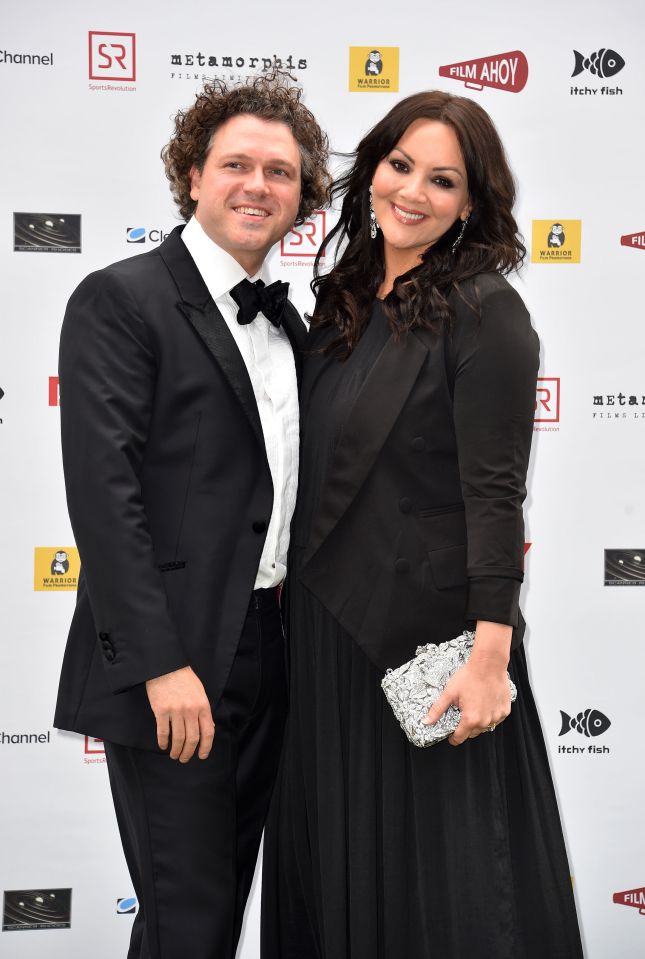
<point x="178" y="381"/>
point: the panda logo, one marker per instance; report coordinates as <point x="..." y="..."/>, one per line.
<point x="373" y="64"/>
<point x="556" y="235"/>
<point x="60" y="563"/>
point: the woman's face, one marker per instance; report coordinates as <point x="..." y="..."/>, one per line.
<point x="418" y="191"/>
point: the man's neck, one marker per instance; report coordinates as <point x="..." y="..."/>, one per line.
<point x="251" y="261"/>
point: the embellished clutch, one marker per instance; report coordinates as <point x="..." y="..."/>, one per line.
<point x="413" y="688"/>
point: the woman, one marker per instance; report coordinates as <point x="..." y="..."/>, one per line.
<point x="417" y="413"/>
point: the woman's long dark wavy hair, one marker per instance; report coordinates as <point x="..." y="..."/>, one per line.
<point x="419" y="297"/>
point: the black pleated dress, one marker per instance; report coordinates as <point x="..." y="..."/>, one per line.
<point x="374" y="848"/>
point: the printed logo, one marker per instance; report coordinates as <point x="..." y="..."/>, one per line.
<point x="502" y="71"/>
<point x="230" y="68"/>
<point x="139" y="234"/>
<point x="30" y="59"/>
<point x="372" y="69"/>
<point x="46" y="233"/>
<point x="20" y="739"/>
<point x="136" y="234"/>
<point x="527" y="547"/>
<point x="556" y="241"/>
<point x="547" y="403"/>
<point x="589" y="723"/>
<point x="113" y="56"/>
<point x="127" y="906"/>
<point x="305" y="240"/>
<point x="56" y="568"/>
<point x="625" y="567"/>
<point x="614" y="400"/>
<point x="25" y="909"/>
<point x="54" y="391"/>
<point x="632" y="897"/>
<point x="603" y="63"/>
<point x="635" y="240"/>
<point x="94" y="751"/>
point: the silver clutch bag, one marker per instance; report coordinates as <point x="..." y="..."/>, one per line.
<point x="413" y="688"/>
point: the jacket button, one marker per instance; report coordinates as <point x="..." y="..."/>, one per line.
<point x="405" y="504"/>
<point x="104" y="636"/>
<point x="418" y="443"/>
<point x="110" y="655"/>
<point x="259" y="526"/>
<point x="402" y="565"/>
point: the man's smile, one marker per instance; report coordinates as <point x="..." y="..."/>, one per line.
<point x="251" y="210"/>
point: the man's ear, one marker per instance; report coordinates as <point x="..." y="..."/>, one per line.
<point x="195" y="182"/>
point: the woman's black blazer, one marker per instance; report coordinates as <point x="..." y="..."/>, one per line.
<point x="420" y="528"/>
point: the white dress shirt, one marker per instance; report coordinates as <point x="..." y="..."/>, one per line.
<point x="268" y="357"/>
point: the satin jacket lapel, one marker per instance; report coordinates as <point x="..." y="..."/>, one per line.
<point x="211" y="326"/>
<point x="368" y="425"/>
<point x="197" y="306"/>
<point x="297" y="333"/>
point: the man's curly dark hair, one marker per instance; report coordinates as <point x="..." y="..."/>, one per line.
<point x="271" y="96"/>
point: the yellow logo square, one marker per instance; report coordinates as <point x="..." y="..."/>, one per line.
<point x="56" y="568"/>
<point x="556" y="241"/>
<point x="374" y="69"/>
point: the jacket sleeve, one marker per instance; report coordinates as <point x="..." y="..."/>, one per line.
<point x="107" y="373"/>
<point x="496" y="366"/>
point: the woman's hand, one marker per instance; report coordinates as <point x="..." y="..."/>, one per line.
<point x="480" y="688"/>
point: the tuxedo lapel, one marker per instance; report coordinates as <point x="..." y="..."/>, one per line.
<point x="366" y="429"/>
<point x="197" y="306"/>
<point x="210" y="326"/>
<point x="297" y="333"/>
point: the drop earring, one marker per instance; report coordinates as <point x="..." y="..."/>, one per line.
<point x="464" y="224"/>
<point x="373" y="222"/>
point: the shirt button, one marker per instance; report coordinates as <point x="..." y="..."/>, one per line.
<point x="402" y="565"/>
<point x="405" y="504"/>
<point x="259" y="526"/>
<point x="418" y="443"/>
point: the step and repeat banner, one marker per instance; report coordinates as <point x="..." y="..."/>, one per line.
<point x="88" y="96"/>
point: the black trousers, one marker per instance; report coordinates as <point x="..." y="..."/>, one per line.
<point x="191" y="832"/>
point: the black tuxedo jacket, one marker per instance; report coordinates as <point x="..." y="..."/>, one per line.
<point x="420" y="528"/>
<point x="168" y="488"/>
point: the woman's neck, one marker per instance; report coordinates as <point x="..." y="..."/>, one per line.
<point x="397" y="262"/>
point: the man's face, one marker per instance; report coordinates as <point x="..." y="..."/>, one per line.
<point x="248" y="192"/>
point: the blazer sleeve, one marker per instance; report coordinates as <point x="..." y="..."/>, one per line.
<point x="496" y="366"/>
<point x="107" y="373"/>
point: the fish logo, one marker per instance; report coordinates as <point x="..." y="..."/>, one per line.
<point x="603" y="63"/>
<point x="590" y="722"/>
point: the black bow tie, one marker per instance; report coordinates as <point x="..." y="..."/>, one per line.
<point x="254" y="298"/>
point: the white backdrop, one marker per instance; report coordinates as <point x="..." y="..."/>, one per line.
<point x="75" y="146"/>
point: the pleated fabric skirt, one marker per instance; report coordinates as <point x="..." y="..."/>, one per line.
<point x="376" y="849"/>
